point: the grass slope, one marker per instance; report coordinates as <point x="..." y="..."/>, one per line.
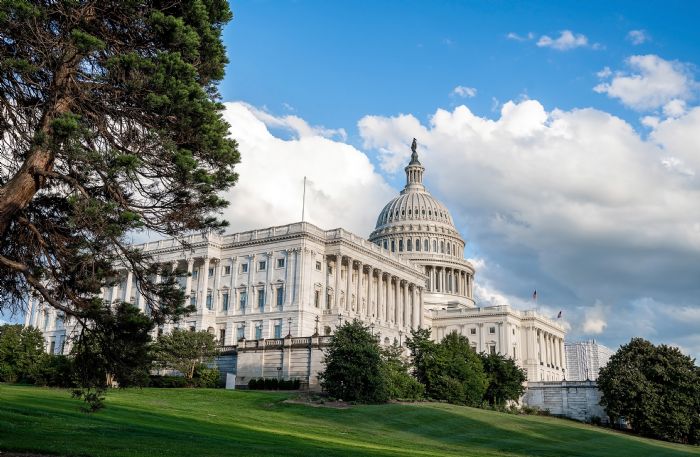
<point x="189" y="422"/>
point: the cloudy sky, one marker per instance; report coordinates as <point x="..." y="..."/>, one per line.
<point x="564" y="138"/>
<point x="565" y="141"/>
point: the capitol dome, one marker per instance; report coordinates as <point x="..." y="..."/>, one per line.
<point x="420" y="228"/>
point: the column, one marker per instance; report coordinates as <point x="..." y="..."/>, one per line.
<point x="415" y="321"/>
<point x="268" y="279"/>
<point x="360" y="266"/>
<point x="378" y="295"/>
<point x="188" y="281"/>
<point x="288" y="278"/>
<point x="396" y="300"/>
<point x="201" y="304"/>
<point x="217" y="283"/>
<point x="115" y="290"/>
<point x="127" y="289"/>
<point x="232" y="299"/>
<point x="336" y="286"/>
<point x="406" y="306"/>
<point x="348" y="285"/>
<point x="388" y="317"/>
<point x="370" y="289"/>
<point x="249" y="303"/>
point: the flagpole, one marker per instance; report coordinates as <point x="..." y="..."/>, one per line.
<point x="303" y="201"/>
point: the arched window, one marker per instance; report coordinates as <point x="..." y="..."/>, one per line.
<point x="448" y="248"/>
<point x="423" y="211"/>
<point x="435" y="246"/>
<point x="386" y="244"/>
<point x="426" y="245"/>
<point x="442" y="247"/>
<point x="393" y="246"/>
<point x="401" y="245"/>
<point x="417" y="244"/>
<point x="409" y="244"/>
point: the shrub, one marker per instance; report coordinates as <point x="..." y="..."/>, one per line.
<point x="168" y="381"/>
<point x="206" y="377"/>
<point x="274" y="384"/>
<point x="55" y="371"/>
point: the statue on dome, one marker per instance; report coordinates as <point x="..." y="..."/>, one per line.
<point x="414" y="146"/>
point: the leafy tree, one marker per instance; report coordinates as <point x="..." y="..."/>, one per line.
<point x="655" y="388"/>
<point x="354" y="369"/>
<point x="21" y="353"/>
<point x="109" y="124"/>
<point x="450" y="370"/>
<point x="505" y="379"/>
<point x="184" y="351"/>
<point x="400" y="384"/>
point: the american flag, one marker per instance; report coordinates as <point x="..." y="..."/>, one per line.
<point x="559" y="315"/>
<point x="534" y="295"/>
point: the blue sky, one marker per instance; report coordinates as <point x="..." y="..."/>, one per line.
<point x="563" y="136"/>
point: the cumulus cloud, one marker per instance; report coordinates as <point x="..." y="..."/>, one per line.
<point x="650" y="83"/>
<point x="464" y="91"/>
<point x="565" y="41"/>
<point x="637" y="37"/>
<point x="575" y="202"/>
<point x="343" y="189"/>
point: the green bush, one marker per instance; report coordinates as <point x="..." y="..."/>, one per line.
<point x="274" y="384"/>
<point x="168" y="381"/>
<point x="55" y="371"/>
<point x="206" y="377"/>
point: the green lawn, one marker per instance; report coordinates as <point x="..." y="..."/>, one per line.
<point x="190" y="422"/>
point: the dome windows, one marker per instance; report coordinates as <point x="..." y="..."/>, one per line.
<point x="426" y="245"/>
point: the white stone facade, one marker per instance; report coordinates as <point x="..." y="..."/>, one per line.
<point x="584" y="359"/>
<point x="259" y="290"/>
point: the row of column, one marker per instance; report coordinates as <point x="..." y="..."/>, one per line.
<point x="449" y="280"/>
<point x="551" y="350"/>
<point x="389" y="299"/>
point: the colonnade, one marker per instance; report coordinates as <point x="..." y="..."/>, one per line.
<point x="551" y="350"/>
<point x="449" y="280"/>
<point x="368" y="292"/>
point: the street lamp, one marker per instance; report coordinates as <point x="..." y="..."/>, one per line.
<point x="289" y="327"/>
<point x="340" y="319"/>
<point x="400" y="335"/>
<point x="371" y="328"/>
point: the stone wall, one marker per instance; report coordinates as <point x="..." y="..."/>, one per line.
<point x="578" y="400"/>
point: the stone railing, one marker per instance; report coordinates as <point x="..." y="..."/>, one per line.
<point x="530" y="313"/>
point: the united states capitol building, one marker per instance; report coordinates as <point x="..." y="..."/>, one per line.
<point x="273" y="296"/>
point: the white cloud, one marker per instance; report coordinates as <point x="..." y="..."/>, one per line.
<point x="651" y="83"/>
<point x="595" y="321"/>
<point x="637" y="37"/>
<point x="297" y="125"/>
<point x="566" y="40"/>
<point x="575" y="202"/>
<point x="604" y="73"/>
<point x="343" y="189"/>
<point x="674" y="108"/>
<point x="516" y="37"/>
<point x="464" y="91"/>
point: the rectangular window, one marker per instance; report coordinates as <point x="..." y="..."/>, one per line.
<point x="244" y="268"/>
<point x="329" y="300"/>
<point x="473" y="331"/>
<point x="393" y="246"/>
<point x="493" y="350"/>
<point x="318" y="265"/>
<point x="492" y="330"/>
<point x="400" y="245"/>
<point x="193" y="300"/>
<point x="386" y="245"/>
<point x="209" y="300"/>
<point x="277" y="331"/>
<point x="240" y="333"/>
<point x="195" y="273"/>
<point x="317" y="298"/>
<point x="262" y="265"/>
<point x="227" y="270"/>
<point x="280" y="263"/>
<point x="222" y="335"/>
<point x="261" y="299"/>
<point x="280" y="296"/>
<point x="52" y="348"/>
<point x="244" y="298"/>
<point x="224" y="301"/>
<point x="211" y="272"/>
<point x="258" y="331"/>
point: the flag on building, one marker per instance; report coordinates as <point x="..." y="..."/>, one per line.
<point x="534" y="295"/>
<point x="559" y="315"/>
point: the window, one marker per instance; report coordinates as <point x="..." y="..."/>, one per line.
<point x="400" y="245"/>
<point x="193" y="300"/>
<point x="442" y="247"/>
<point x="258" y="331"/>
<point x="280" y="263"/>
<point x="195" y="273"/>
<point x="417" y="244"/>
<point x="222" y="335"/>
<point x="492" y="350"/>
<point x="261" y="299"/>
<point x="280" y="296"/>
<point x="277" y="329"/>
<point x="409" y="245"/>
<point x="227" y="270"/>
<point x="240" y="333"/>
<point x="244" y="268"/>
<point x="426" y="245"/>
<point x="262" y="265"/>
<point x="386" y="244"/>
<point x="329" y="300"/>
<point x="448" y="249"/>
<point x="513" y="331"/>
<point x="434" y="245"/>
<point x="209" y="300"/>
<point x="393" y="246"/>
<point x="492" y="330"/>
<point x="52" y="348"/>
<point x="318" y="265"/>
<point x="472" y="331"/>
<point x="317" y="298"/>
<point x="244" y="298"/>
<point x="224" y="301"/>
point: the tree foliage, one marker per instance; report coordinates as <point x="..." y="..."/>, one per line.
<point x="450" y="369"/>
<point x="109" y="124"/>
<point x="505" y="379"/>
<point x="21" y="353"/>
<point x="184" y="351"/>
<point x="400" y="384"/>
<point x="655" y="388"/>
<point x="353" y="365"/>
